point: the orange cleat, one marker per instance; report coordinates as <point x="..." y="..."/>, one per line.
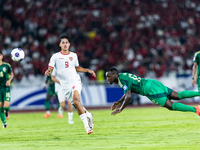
<point x="198" y="109"/>
<point x="47" y="115"/>
<point x="60" y="116"/>
<point x="88" y="130"/>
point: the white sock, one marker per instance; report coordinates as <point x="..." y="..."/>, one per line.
<point x="70" y="116"/>
<point x="84" y="119"/>
<point x="88" y="114"/>
<point x="60" y="111"/>
<point x="48" y="112"/>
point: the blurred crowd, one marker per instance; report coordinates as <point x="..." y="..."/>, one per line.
<point x="144" y="37"/>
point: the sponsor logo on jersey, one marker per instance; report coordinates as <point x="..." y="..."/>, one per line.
<point x="73" y="87"/>
<point x="61" y="58"/>
<point x="125" y="87"/>
<point x="71" y="58"/>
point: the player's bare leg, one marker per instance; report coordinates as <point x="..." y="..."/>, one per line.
<point x="6" y="109"/>
<point x="81" y="111"/>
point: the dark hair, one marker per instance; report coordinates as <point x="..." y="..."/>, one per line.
<point x="113" y="71"/>
<point x="64" y="36"/>
<point x="1" y="53"/>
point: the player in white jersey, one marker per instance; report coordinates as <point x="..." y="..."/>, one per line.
<point x="62" y="98"/>
<point x="67" y="66"/>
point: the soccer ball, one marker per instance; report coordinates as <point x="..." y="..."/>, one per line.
<point x="17" y="54"/>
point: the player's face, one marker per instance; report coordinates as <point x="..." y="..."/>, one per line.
<point x="64" y="44"/>
<point x="110" y="77"/>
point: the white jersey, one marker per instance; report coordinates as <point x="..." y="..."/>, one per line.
<point x="65" y="68"/>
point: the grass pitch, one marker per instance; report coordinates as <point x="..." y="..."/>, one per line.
<point x="134" y="128"/>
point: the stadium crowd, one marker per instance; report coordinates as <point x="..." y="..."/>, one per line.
<point x="144" y="37"/>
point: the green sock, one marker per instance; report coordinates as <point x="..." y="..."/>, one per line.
<point x="47" y="105"/>
<point x="7" y="109"/>
<point x="2" y="115"/>
<point x="188" y="94"/>
<point x="183" y="107"/>
<point x="58" y="105"/>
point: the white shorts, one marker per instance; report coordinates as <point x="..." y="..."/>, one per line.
<point x="64" y="93"/>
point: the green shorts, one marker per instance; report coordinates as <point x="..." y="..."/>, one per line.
<point x="5" y="94"/>
<point x="158" y="93"/>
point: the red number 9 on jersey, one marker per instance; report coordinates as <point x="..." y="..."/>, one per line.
<point x="66" y="64"/>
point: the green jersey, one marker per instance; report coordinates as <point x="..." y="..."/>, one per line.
<point x="196" y="59"/>
<point x="134" y="83"/>
<point x="153" y="89"/>
<point x="5" y="71"/>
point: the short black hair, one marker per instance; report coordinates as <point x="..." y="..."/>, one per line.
<point x="113" y="71"/>
<point x="64" y="36"/>
<point x="1" y="53"/>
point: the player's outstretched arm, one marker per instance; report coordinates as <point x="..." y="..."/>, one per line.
<point x="194" y="74"/>
<point x="81" y="69"/>
<point x="117" y="104"/>
<point x="127" y="98"/>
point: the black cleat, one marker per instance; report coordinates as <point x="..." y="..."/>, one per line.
<point x="5" y="125"/>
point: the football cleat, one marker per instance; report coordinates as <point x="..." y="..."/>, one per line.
<point x="71" y="121"/>
<point x="198" y="109"/>
<point x="60" y="116"/>
<point x="90" y="121"/>
<point x="47" y="115"/>
<point x="5" y="125"/>
<point x="89" y="130"/>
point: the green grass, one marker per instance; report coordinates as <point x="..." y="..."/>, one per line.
<point x="134" y="128"/>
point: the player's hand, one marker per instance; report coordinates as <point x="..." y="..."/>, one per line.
<point x="92" y="72"/>
<point x="115" y="105"/>
<point x="48" y="72"/>
<point x="194" y="82"/>
<point x="8" y="83"/>
<point x="116" y="112"/>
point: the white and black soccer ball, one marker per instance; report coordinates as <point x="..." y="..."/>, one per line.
<point x="17" y="54"/>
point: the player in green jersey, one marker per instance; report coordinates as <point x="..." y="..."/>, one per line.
<point x="6" y="76"/>
<point x="153" y="89"/>
<point x="196" y="70"/>
<point x="50" y="93"/>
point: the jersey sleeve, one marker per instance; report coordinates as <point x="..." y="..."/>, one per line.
<point x="9" y="69"/>
<point x="125" y="87"/>
<point x="52" y="61"/>
<point x="195" y="58"/>
<point x="124" y="82"/>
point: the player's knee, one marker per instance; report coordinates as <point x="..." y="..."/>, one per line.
<point x="76" y="103"/>
<point x="62" y="104"/>
<point x="168" y="105"/>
